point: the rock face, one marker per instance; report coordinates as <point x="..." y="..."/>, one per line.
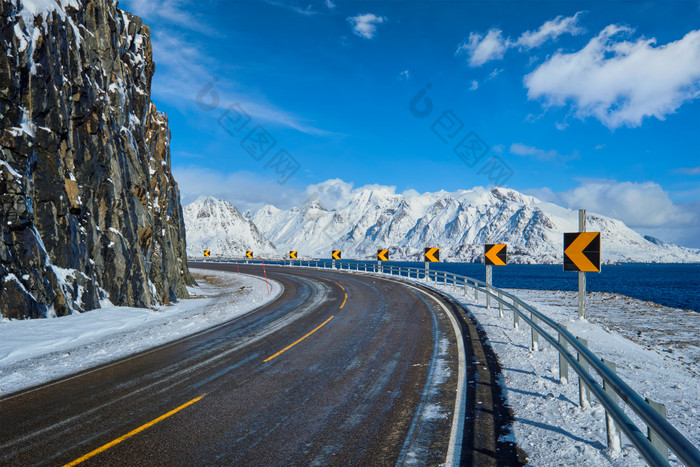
<point x="89" y="209"/>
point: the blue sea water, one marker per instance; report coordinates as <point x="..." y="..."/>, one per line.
<point x="673" y="285"/>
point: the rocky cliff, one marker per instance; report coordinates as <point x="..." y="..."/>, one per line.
<point x="89" y="209"/>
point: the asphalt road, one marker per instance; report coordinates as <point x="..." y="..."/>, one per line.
<point x="341" y="369"/>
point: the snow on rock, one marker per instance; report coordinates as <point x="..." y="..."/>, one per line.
<point x="360" y="221"/>
<point x="37" y="351"/>
<point x="216" y="225"/>
<point x="74" y="74"/>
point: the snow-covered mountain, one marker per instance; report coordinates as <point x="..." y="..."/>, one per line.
<point x="217" y="225"/>
<point x="363" y="220"/>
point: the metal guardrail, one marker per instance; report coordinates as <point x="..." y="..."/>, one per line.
<point x="613" y="385"/>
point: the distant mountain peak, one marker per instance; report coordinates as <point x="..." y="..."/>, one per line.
<point x="459" y="222"/>
<point x="217" y="225"/>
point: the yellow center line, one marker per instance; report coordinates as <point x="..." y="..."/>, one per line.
<point x="132" y="433"/>
<point x="295" y="343"/>
<point x="346" y="299"/>
<point x="340" y="286"/>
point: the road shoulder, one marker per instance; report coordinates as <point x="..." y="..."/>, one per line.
<point x="34" y="352"/>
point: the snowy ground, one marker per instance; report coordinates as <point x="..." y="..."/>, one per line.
<point x="656" y="350"/>
<point x="37" y="351"/>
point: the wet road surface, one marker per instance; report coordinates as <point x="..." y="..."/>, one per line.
<point x="341" y="369"/>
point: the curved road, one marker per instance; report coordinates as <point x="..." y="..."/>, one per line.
<point x="340" y="369"/>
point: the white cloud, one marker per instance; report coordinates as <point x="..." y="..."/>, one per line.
<point x="336" y="193"/>
<point x="481" y="49"/>
<point x="637" y="204"/>
<point x="621" y="82"/>
<point x="405" y="75"/>
<point x="243" y="189"/>
<point x="689" y="170"/>
<point x="183" y="68"/>
<point x="330" y="4"/>
<point x="474" y="85"/>
<point x="365" y="25"/>
<point x="550" y="155"/>
<point x="494" y="73"/>
<point x="185" y="76"/>
<point x="544" y="194"/>
<point x="493" y="46"/>
<point x="645" y="207"/>
<point x="550" y="30"/>
<point x="307" y="10"/>
<point x="178" y="12"/>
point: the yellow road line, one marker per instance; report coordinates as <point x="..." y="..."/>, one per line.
<point x="295" y="343"/>
<point x="132" y="433"/>
<point x="340" y="286"/>
<point x="346" y="299"/>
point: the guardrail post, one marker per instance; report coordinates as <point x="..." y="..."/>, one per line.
<point x="488" y="287"/>
<point x="533" y="334"/>
<point x="563" y="364"/>
<point x="614" y="434"/>
<point x="584" y="394"/>
<point x="476" y="293"/>
<point x="653" y="436"/>
<point x="516" y="317"/>
<point x="465" y="288"/>
<point x="500" y="305"/>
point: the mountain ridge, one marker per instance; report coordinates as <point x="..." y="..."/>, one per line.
<point x="460" y="222"/>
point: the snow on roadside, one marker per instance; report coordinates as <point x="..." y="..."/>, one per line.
<point x="37" y="351"/>
<point x="656" y="351"/>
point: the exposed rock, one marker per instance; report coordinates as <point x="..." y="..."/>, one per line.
<point x="89" y="209"/>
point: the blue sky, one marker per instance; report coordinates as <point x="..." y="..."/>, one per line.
<point x="587" y="104"/>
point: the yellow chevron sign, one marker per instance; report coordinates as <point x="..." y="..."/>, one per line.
<point x="582" y="251"/>
<point x="335" y="254"/>
<point x="292" y="255"/>
<point x="495" y="254"/>
<point x="432" y="255"/>
<point x="207" y="252"/>
<point x="382" y="255"/>
<point x="249" y="254"/>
